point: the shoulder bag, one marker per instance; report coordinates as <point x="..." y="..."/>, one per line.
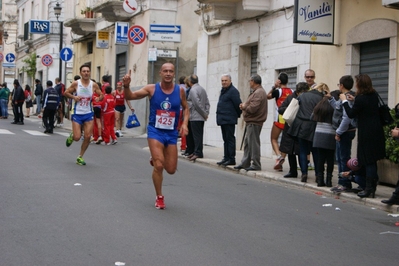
<point x="291" y="111"/>
<point x="385" y="112"/>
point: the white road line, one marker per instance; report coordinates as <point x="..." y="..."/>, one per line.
<point x="65" y="134"/>
<point x="35" y="133"/>
<point x="5" y="131"/>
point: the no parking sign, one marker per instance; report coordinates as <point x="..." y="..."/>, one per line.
<point x="136" y="34"/>
<point x="47" y="60"/>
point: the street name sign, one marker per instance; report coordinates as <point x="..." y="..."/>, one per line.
<point x="167" y="53"/>
<point x="165" y="33"/>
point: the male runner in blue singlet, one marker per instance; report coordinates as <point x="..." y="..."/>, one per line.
<point x="165" y="100"/>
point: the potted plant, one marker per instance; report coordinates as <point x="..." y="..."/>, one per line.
<point x="388" y="168"/>
<point x="88" y="12"/>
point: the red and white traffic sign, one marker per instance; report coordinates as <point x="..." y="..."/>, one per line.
<point x="1" y="57"/>
<point x="47" y="60"/>
<point x="136" y="34"/>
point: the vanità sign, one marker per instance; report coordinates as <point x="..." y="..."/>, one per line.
<point x="314" y="21"/>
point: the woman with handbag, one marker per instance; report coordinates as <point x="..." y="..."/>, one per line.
<point x="371" y="140"/>
<point x="289" y="145"/>
<point x="303" y="129"/>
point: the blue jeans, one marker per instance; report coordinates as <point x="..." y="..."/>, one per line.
<point x="4" y="107"/>
<point x="343" y="154"/>
<point x="38" y="104"/>
<point x="305" y="147"/>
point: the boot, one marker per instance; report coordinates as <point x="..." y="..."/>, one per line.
<point x="394" y="200"/>
<point x="320" y="180"/>
<point x="369" y="191"/>
<point x="328" y="180"/>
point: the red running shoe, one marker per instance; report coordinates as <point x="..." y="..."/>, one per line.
<point x="159" y="202"/>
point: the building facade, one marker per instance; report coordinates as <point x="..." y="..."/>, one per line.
<point x="253" y="36"/>
<point x="38" y="55"/>
<point x="109" y="17"/>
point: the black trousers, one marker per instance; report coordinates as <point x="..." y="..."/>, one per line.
<point x="189" y="140"/>
<point x="18" y="113"/>
<point x="229" y="141"/>
<point x="48" y="119"/>
<point x="197" y="129"/>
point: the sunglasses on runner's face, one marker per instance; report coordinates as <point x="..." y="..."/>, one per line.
<point x="309" y="77"/>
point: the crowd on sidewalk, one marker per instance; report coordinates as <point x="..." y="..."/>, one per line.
<point x="324" y="124"/>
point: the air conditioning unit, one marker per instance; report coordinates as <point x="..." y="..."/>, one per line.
<point x="391" y="4"/>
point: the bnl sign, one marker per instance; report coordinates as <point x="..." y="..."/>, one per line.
<point x="39" y="26"/>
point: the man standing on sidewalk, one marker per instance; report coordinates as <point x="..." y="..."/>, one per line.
<point x="38" y="96"/>
<point x="254" y="112"/>
<point x="50" y="103"/>
<point x="18" y="99"/>
<point x="198" y="103"/>
<point x="227" y="113"/>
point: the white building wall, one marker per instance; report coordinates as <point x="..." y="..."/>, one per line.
<point x="227" y="52"/>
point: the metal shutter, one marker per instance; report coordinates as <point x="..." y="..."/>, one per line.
<point x="254" y="60"/>
<point x="374" y="61"/>
<point x="120" y="66"/>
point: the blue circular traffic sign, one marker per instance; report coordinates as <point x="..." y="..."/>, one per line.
<point x="66" y="54"/>
<point x="47" y="60"/>
<point x="136" y="34"/>
<point x="10" y="58"/>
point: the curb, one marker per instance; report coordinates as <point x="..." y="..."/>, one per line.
<point x="319" y="191"/>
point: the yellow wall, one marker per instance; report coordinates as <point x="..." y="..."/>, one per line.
<point x="329" y="62"/>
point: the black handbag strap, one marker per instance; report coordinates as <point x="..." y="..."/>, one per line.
<point x="381" y="101"/>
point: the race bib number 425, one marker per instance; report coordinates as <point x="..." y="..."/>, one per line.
<point x="165" y="119"/>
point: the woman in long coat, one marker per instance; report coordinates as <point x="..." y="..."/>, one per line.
<point x="371" y="140"/>
<point x="289" y="145"/>
<point x="303" y="129"/>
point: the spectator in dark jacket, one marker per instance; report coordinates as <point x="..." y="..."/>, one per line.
<point x="38" y="95"/>
<point x="18" y="99"/>
<point x="303" y="129"/>
<point x="371" y="139"/>
<point x="227" y="113"/>
<point x="51" y="100"/>
<point x="288" y="144"/>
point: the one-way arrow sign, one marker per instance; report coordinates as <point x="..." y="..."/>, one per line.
<point x="66" y="54"/>
<point x="165" y="28"/>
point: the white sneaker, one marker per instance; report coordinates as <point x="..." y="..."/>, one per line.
<point x="120" y="133"/>
<point x="109" y="143"/>
<point x="99" y="140"/>
<point x="61" y="124"/>
<point x="114" y="141"/>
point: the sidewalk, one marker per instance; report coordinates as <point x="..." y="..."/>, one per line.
<point x="215" y="154"/>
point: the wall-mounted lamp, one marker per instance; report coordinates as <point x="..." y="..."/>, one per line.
<point x="5" y="38"/>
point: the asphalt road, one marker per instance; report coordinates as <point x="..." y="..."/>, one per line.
<point x="55" y="212"/>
